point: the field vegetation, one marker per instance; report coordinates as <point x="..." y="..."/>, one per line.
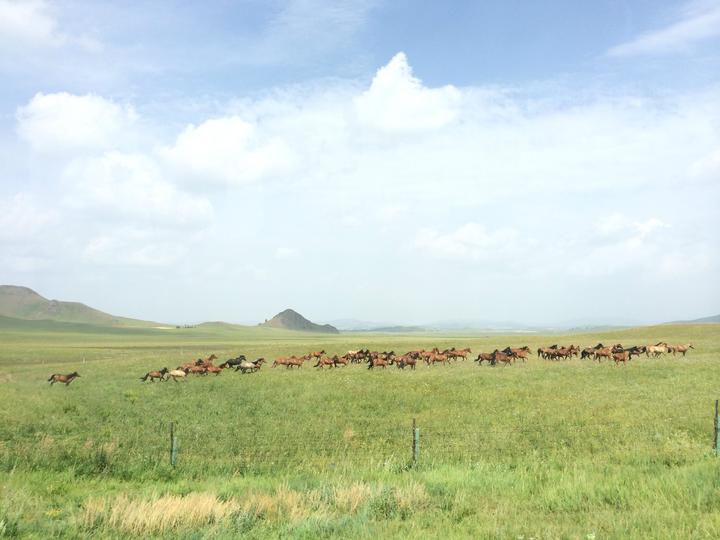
<point x="569" y="449"/>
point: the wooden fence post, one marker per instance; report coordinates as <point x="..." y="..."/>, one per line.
<point x="173" y="445"/>
<point x="717" y="429"/>
<point x="415" y="443"/>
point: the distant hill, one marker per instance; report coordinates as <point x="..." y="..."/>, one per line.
<point x="710" y="319"/>
<point x="24" y="303"/>
<point x="292" y="320"/>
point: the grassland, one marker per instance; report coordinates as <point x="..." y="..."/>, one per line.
<point x="541" y="450"/>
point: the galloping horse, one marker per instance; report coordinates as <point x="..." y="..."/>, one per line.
<point x="250" y="367"/>
<point x="681" y="348"/>
<point x="213" y="369"/>
<point x="620" y="357"/>
<point x="233" y="362"/>
<point x="483" y="356"/>
<point x="176" y="374"/>
<point x="197" y="370"/>
<point x="499" y="356"/>
<point x="59" y="377"/>
<point x="377" y="362"/>
<point x="324" y="361"/>
<point x="604" y="352"/>
<point x="152" y="375"/>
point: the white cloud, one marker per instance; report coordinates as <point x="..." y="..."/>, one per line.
<point x="62" y="122"/>
<point x="699" y="22"/>
<point x="618" y="243"/>
<point x="398" y="101"/>
<point x="227" y="151"/>
<point x="132" y="185"/>
<point x="471" y="241"/>
<point x="134" y="247"/>
<point x="33" y="24"/>
<point x="22" y="218"/>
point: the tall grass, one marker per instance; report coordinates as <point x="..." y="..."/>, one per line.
<point x="542" y="449"/>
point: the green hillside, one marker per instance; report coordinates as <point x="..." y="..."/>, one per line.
<point x="24" y="303"/>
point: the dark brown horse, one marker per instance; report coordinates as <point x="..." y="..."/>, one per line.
<point x="485" y="356"/>
<point x="152" y="375"/>
<point x="59" y="377"/>
<point x="499" y="356"/>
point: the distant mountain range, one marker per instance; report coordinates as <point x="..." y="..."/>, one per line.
<point x="702" y="320"/>
<point x="24" y="303"/>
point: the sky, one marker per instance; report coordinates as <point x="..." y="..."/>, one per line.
<point x="405" y="162"/>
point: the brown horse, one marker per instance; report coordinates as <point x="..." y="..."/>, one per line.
<point x="499" y="356"/>
<point x="438" y="358"/>
<point x="282" y="361"/>
<point x="59" y="377"/>
<point x="681" y="349"/>
<point x="406" y="360"/>
<point x="324" y="361"/>
<point x="485" y="356"/>
<point x="339" y="361"/>
<point x="605" y="352"/>
<point x="213" y="369"/>
<point x="620" y="357"/>
<point x="377" y="362"/>
<point x="197" y="370"/>
<point x="152" y="375"/>
<point x="522" y="352"/>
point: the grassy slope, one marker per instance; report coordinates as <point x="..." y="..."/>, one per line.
<point x="543" y="449"/>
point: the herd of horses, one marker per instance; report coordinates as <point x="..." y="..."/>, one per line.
<point x="204" y="366"/>
<point x="376" y="359"/>
<point x="617" y="353"/>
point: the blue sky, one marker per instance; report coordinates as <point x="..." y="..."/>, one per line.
<point x="396" y="161"/>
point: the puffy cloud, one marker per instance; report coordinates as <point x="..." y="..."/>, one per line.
<point x="132" y="185"/>
<point x="62" y="122"/>
<point x="227" y="150"/>
<point x="398" y="101"/>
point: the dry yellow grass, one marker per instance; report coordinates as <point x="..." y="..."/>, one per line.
<point x="286" y="505"/>
<point x="349" y="499"/>
<point x="412" y="496"/>
<point x="159" y="515"/>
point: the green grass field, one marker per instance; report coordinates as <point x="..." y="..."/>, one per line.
<point x="545" y="449"/>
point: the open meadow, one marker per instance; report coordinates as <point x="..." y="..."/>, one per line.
<point x="543" y="449"/>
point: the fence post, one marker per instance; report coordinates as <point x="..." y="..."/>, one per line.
<point x="717" y="429"/>
<point x="415" y="443"/>
<point x="173" y="445"/>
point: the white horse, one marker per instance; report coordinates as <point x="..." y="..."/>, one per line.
<point x="177" y="374"/>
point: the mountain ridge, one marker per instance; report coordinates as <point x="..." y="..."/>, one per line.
<point x="289" y="319"/>
<point x="24" y="303"/>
